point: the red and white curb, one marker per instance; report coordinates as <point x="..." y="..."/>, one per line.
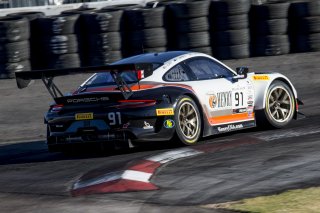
<point x="136" y="176"/>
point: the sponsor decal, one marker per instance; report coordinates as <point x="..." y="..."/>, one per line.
<point x="239" y="88"/>
<point x="213" y="101"/>
<point x="250" y="111"/>
<point x="221" y="100"/>
<point x="126" y="125"/>
<point x="241" y="110"/>
<point x="260" y="77"/>
<point x="84" y="116"/>
<point x="169" y="123"/>
<point x="224" y="99"/>
<point x="87" y="100"/>
<point x="230" y="127"/>
<point x="147" y="125"/>
<point x="165" y="111"/>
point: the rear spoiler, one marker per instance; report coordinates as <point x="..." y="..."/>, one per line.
<point x="143" y="70"/>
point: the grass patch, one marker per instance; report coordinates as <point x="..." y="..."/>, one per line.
<point x="293" y="201"/>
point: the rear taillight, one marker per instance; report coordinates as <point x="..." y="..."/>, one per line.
<point x="135" y="103"/>
<point x="56" y="108"/>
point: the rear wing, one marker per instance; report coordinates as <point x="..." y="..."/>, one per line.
<point x="142" y="70"/>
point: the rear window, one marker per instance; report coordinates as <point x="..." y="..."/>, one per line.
<point x="105" y="79"/>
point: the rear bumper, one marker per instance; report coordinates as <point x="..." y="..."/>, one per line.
<point x="148" y="130"/>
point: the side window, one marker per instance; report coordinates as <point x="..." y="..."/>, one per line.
<point x="204" y="68"/>
<point x="176" y="73"/>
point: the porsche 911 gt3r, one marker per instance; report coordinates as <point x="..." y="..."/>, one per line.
<point x="156" y="96"/>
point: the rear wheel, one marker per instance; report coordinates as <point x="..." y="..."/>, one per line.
<point x="280" y="105"/>
<point x="188" y="121"/>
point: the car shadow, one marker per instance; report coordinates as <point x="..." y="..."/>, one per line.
<point x="36" y="151"/>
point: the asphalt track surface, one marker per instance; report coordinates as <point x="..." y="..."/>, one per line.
<point x="33" y="180"/>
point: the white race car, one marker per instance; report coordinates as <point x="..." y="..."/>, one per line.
<point x="157" y="96"/>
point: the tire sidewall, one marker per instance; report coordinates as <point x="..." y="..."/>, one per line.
<point x="187" y="141"/>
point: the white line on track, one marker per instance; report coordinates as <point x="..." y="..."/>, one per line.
<point x="280" y="134"/>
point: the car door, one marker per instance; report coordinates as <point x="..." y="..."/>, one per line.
<point x="224" y="100"/>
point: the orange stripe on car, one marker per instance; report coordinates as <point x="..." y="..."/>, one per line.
<point x="231" y="118"/>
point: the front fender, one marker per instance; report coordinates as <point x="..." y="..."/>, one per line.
<point x="261" y="83"/>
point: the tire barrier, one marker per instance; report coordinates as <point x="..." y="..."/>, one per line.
<point x="304" y="26"/>
<point x="188" y="26"/>
<point x="32" y="17"/>
<point x="226" y="29"/>
<point x="81" y="32"/>
<point x="14" y="46"/>
<point x="229" y="27"/>
<point x="144" y="30"/>
<point x="56" y="41"/>
<point x="269" y="27"/>
<point x="103" y="37"/>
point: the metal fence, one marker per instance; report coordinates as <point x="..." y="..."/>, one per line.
<point x="31" y="3"/>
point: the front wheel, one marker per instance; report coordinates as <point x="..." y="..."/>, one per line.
<point x="188" y="119"/>
<point x="280" y="105"/>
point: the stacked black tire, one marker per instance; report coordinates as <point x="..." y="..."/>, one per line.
<point x="188" y="26"/>
<point x="269" y="27"/>
<point x="304" y="22"/>
<point x="103" y="37"/>
<point x="144" y="31"/>
<point x="230" y="37"/>
<point x="81" y="31"/>
<point x="57" y="42"/>
<point x="14" y="46"/>
<point x="32" y="16"/>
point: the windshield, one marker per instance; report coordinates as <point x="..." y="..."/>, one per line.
<point x="105" y="79"/>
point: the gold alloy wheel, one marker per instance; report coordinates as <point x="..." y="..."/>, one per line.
<point x="280" y="105"/>
<point x="188" y="120"/>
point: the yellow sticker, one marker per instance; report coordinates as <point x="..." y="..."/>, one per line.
<point x="261" y="77"/>
<point x="165" y="111"/>
<point x="84" y="116"/>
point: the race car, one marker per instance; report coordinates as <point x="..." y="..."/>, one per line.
<point x="160" y="96"/>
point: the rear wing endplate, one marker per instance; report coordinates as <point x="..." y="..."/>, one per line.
<point x="143" y="70"/>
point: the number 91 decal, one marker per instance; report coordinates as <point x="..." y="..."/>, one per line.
<point x="114" y="118"/>
<point x="239" y="99"/>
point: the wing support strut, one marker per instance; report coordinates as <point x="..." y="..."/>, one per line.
<point x="122" y="85"/>
<point x="51" y="87"/>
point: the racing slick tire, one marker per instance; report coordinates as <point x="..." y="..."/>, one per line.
<point x="280" y="106"/>
<point x="234" y="22"/>
<point x="276" y="10"/>
<point x="57" y="25"/>
<point x="229" y="7"/>
<point x="59" y="44"/>
<point x="190" y="9"/>
<point x="13" y="29"/>
<point x="198" y="24"/>
<point x="102" y="22"/>
<point x="188" y="121"/>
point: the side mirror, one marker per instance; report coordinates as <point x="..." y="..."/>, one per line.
<point x="241" y="73"/>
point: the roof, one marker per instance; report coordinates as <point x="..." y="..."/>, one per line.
<point x="154" y="58"/>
